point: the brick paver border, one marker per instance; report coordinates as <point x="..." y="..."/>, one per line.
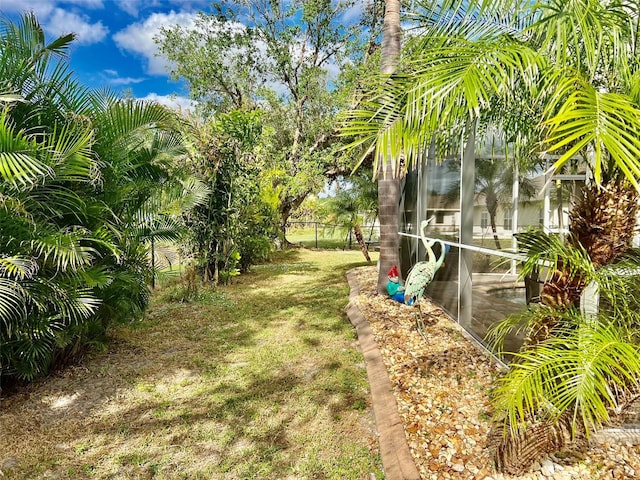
<point x="397" y="461"/>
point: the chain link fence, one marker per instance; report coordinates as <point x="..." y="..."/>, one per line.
<point x="327" y="235"/>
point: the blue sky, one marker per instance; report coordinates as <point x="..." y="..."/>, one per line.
<point x="114" y="45"/>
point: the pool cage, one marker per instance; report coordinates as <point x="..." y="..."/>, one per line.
<point x="476" y="202"/>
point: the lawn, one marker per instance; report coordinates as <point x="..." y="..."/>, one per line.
<point x="260" y="379"/>
<point x="328" y="238"/>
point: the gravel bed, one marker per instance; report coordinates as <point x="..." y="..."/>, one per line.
<point x="441" y="382"/>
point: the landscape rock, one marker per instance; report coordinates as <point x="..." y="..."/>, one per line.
<point x="441" y="382"/>
<point x="8" y="464"/>
<point x="547" y="468"/>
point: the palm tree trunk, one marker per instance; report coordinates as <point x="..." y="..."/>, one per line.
<point x="492" y="207"/>
<point x="391" y="33"/>
<point x="388" y="183"/>
<point x="602" y="222"/>
<point x="360" y="239"/>
<point x="494" y="230"/>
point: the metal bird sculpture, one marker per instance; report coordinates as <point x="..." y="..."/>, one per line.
<point x="422" y="273"/>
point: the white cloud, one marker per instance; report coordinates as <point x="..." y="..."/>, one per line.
<point x="40" y="7"/>
<point x="352" y="14"/>
<point x="125" y="81"/>
<point x="189" y="4"/>
<point x="113" y="78"/>
<point x="61" y="22"/>
<point x="172" y="101"/>
<point x="138" y="38"/>
<point x="86" y="3"/>
<point x="132" y="7"/>
<point x="333" y="70"/>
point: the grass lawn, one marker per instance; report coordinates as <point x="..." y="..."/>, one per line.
<point x="261" y="379"/>
<point x="327" y="238"/>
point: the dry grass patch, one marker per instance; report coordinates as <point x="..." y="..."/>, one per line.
<point x="262" y="379"/>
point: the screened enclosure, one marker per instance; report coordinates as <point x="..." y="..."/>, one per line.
<point x="475" y="202"/>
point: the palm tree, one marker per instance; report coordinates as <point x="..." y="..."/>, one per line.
<point x="47" y="274"/>
<point x="80" y="172"/>
<point x="351" y="205"/>
<point x="495" y="183"/>
<point x="387" y="170"/>
<point x="584" y="374"/>
<point x="572" y="70"/>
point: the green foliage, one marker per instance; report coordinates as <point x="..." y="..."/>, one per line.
<point x="572" y="90"/>
<point x="586" y="369"/>
<point x="86" y="181"/>
<point x="552" y="76"/>
<point x="237" y="225"/>
<point x="247" y="55"/>
<point x="589" y="366"/>
<point x="354" y="203"/>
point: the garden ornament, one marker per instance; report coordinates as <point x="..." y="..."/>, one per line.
<point x="422" y="273"/>
<point x="394" y="287"/>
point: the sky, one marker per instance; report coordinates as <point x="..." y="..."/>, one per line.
<point x="114" y="46"/>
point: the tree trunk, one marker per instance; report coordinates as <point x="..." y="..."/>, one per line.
<point x="603" y="222"/>
<point x="390" y="53"/>
<point x="494" y="229"/>
<point x="288" y="205"/>
<point x="360" y="239"/>
<point x="388" y="183"/>
<point x="492" y="208"/>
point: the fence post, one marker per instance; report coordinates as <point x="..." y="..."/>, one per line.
<point x="153" y="263"/>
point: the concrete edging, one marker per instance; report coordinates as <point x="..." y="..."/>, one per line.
<point x="397" y="461"/>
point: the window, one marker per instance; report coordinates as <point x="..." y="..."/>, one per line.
<point x="440" y="217"/>
<point x="484" y="220"/>
<point x="541" y="217"/>
<point x="508" y="219"/>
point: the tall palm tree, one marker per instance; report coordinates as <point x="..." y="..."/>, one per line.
<point x="494" y="181"/>
<point x="351" y="206"/>
<point x="387" y="169"/>
<point x="572" y="70"/>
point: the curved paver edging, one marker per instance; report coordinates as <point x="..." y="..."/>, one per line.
<point x="397" y="461"/>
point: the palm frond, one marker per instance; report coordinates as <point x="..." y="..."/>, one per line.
<point x="461" y="80"/>
<point x="472" y="19"/>
<point x="12" y="305"/>
<point x="550" y="252"/>
<point x="52" y="201"/>
<point x="63" y="250"/>
<point x="575" y="372"/>
<point x="379" y="126"/>
<point x="516" y="324"/>
<point x="70" y="153"/>
<point x="589" y="34"/>
<point x="17" y="267"/>
<point x="19" y="163"/>
<point x="124" y="124"/>
<point x="580" y="115"/>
